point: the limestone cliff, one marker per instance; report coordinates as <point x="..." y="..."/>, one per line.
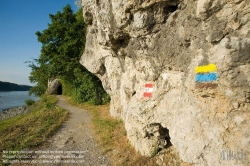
<point x="169" y="44"/>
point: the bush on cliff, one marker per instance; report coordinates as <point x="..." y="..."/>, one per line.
<point x="29" y="102"/>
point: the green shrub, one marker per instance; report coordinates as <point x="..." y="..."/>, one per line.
<point x="29" y="102"/>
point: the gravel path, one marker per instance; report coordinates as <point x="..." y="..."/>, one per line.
<point x="76" y="140"/>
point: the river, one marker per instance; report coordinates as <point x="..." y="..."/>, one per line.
<point x="13" y="99"/>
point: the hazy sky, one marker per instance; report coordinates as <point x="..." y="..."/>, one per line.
<point x="19" y="20"/>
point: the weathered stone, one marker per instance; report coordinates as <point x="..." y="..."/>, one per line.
<point x="215" y="36"/>
<point x="236" y="105"/>
<point x="134" y="42"/>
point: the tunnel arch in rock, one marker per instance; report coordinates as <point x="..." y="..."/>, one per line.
<point x="54" y="87"/>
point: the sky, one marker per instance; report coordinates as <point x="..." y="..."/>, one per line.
<point x="19" y="21"/>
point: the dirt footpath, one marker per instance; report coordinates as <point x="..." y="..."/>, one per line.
<point x="76" y="140"/>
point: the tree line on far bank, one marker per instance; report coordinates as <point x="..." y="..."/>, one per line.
<point x="7" y="86"/>
<point x="63" y="43"/>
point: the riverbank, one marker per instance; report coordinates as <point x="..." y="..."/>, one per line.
<point x="32" y="129"/>
<point x="11" y="112"/>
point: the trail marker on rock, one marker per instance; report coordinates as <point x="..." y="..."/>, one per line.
<point x="148" y="90"/>
<point x="206" y="76"/>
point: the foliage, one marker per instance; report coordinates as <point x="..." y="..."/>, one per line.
<point x="62" y="46"/>
<point x="7" y="86"/>
<point x="29" y="102"/>
<point x="155" y="151"/>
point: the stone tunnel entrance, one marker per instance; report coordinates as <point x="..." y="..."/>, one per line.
<point x="54" y="87"/>
<point x="59" y="90"/>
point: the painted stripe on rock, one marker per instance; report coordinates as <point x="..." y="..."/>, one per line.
<point x="208" y="85"/>
<point x="206" y="77"/>
<point x="148" y="85"/>
<point x="206" y="69"/>
<point x="147" y="94"/>
<point x="148" y="90"/>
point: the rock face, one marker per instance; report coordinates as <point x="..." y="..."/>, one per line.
<point x="131" y="43"/>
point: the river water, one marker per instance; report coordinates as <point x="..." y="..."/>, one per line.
<point x="13" y="99"/>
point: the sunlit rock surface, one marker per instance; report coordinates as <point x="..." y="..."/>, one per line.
<point x="131" y="43"/>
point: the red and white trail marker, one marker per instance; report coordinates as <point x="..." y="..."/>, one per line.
<point x="148" y="90"/>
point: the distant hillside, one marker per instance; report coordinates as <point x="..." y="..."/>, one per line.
<point x="7" y="86"/>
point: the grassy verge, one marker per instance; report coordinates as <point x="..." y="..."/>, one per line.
<point x="32" y="129"/>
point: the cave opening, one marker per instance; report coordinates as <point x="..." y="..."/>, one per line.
<point x="169" y="10"/>
<point x="121" y="42"/>
<point x="172" y="8"/>
<point x="59" y="90"/>
<point x="164" y="134"/>
<point x="102" y="70"/>
<point x="156" y="130"/>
